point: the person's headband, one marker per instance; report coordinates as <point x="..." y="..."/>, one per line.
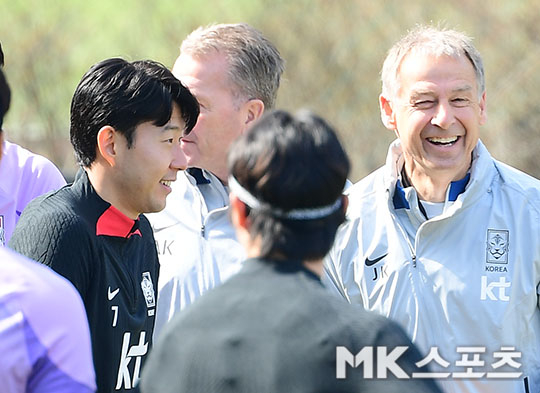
<point x="294" y="214"/>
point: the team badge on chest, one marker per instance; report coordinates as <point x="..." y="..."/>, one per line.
<point x="497" y="246"/>
<point x="148" y="290"/>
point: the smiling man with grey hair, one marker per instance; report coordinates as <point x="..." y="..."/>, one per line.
<point x="444" y="239"/>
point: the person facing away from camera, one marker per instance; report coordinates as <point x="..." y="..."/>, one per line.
<point x="273" y="327"/>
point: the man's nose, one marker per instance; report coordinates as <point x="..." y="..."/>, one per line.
<point x="443" y="116"/>
<point x="179" y="159"/>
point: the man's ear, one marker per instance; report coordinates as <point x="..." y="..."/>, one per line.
<point x="482" y="107"/>
<point x="254" y="109"/>
<point x="107" y="137"/>
<point x="388" y="115"/>
<point x="238" y="213"/>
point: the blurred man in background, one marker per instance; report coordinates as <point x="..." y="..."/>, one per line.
<point x="23" y="174"/>
<point x="444" y="239"/>
<point x="127" y="120"/>
<point x="234" y="72"/>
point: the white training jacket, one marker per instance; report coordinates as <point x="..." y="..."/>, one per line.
<point x="196" y="243"/>
<point x="466" y="278"/>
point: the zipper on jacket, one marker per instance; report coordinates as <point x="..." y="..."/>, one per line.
<point x="208" y="218"/>
<point x="412" y="249"/>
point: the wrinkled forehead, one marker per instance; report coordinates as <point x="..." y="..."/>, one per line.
<point x="436" y="50"/>
<point x="424" y="69"/>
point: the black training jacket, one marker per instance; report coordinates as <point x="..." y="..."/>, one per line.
<point x="111" y="260"/>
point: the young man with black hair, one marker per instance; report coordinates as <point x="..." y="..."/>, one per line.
<point x="273" y="327"/>
<point x="24" y="175"/>
<point x="127" y="120"/>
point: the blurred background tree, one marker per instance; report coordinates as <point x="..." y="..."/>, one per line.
<point x="334" y="50"/>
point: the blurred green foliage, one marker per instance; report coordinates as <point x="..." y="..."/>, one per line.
<point x="333" y="48"/>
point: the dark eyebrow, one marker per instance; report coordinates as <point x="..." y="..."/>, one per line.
<point x="171" y="127"/>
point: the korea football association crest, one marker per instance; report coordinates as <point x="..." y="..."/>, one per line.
<point x="497" y="246"/>
<point x="148" y="291"/>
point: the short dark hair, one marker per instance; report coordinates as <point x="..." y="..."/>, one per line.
<point x="291" y="162"/>
<point x="123" y="95"/>
<point x="5" y="92"/>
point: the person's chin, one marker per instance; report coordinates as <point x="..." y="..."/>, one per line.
<point x="157" y="205"/>
<point x="450" y="165"/>
<point x="156" y="209"/>
<point x="192" y="162"/>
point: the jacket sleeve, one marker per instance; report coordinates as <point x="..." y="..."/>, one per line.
<point x="339" y="264"/>
<point x="59" y="240"/>
<point x="59" y="343"/>
<point x="332" y="278"/>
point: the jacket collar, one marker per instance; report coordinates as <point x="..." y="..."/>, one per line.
<point x="109" y="220"/>
<point x="214" y="193"/>
<point x="456" y="188"/>
<point x="115" y="223"/>
<point x="477" y="179"/>
<point x="198" y="175"/>
<point x="282" y="267"/>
